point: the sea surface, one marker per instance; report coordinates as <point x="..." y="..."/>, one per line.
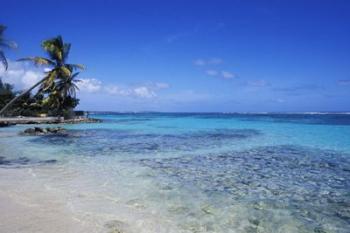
<point x="183" y="172"/>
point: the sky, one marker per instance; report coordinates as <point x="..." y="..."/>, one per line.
<point x="192" y="56"/>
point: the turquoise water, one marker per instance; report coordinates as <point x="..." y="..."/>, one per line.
<point x="198" y="172"/>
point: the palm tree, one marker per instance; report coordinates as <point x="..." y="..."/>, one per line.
<point x="62" y="96"/>
<point x="57" y="52"/>
<point x="67" y="87"/>
<point x="6" y="92"/>
<point x="4" y="43"/>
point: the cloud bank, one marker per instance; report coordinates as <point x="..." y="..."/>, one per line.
<point x="24" y="75"/>
<point x="216" y="72"/>
<point x="148" y="90"/>
<point x="210" y="61"/>
<point x="21" y="74"/>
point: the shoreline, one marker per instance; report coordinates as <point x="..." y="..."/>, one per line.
<point x="31" y="203"/>
<point x="7" y="121"/>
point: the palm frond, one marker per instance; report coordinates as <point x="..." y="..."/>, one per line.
<point x="2" y="29"/>
<point x="65" y="71"/>
<point x="3" y="59"/>
<point x="55" y="48"/>
<point x="38" y="60"/>
<point x="8" y="44"/>
<point x="74" y="76"/>
<point x="75" y="86"/>
<point x="76" y="66"/>
<point x="51" y="48"/>
<point x="72" y="92"/>
<point x="59" y="41"/>
<point x="65" y="50"/>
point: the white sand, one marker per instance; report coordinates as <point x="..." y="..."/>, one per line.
<point x="28" y="207"/>
<point x="45" y="200"/>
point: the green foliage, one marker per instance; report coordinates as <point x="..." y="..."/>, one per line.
<point x="59" y="85"/>
<point x="4" y="43"/>
<point x="33" y="105"/>
<point x="26" y="106"/>
<point x="57" y="91"/>
<point x="6" y="93"/>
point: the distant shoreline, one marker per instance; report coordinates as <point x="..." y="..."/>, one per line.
<point x="4" y="121"/>
<point x="224" y="113"/>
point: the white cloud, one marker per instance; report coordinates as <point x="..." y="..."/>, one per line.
<point x="210" y="61"/>
<point x="220" y="74"/>
<point x="141" y="91"/>
<point x="21" y="74"/>
<point x="212" y="72"/>
<point x="89" y="85"/>
<point x="162" y="85"/>
<point x="144" y="92"/>
<point x="30" y="78"/>
<point x="116" y="90"/>
<point x="227" y="75"/>
<point x="199" y="62"/>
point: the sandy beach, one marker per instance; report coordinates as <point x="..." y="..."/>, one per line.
<point x="31" y="203"/>
<point x="27" y="207"/>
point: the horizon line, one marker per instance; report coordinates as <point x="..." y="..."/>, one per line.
<point x="243" y="113"/>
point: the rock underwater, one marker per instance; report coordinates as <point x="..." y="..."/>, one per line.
<point x="38" y="131"/>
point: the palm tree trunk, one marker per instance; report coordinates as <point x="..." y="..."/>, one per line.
<point x="3" y="110"/>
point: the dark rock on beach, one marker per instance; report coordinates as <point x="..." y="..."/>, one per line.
<point x="38" y="131"/>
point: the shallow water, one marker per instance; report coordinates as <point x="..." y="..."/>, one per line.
<point x="195" y="172"/>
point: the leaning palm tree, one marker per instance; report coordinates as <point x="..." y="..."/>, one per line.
<point x="62" y="96"/>
<point x="57" y="52"/>
<point x="4" y="43"/>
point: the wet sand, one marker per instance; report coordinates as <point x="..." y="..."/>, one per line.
<point x="29" y="207"/>
<point x="42" y="200"/>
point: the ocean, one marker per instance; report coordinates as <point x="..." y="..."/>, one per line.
<point x="186" y="172"/>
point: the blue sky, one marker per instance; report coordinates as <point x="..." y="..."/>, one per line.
<point x="193" y="55"/>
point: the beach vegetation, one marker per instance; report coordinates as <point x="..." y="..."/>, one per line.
<point x="57" y="89"/>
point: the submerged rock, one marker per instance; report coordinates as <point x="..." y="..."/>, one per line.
<point x="37" y="131"/>
<point x="274" y="185"/>
<point x="5" y="124"/>
<point x="29" y="131"/>
<point x="116" y="226"/>
<point x="23" y="161"/>
<point x="20" y="161"/>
